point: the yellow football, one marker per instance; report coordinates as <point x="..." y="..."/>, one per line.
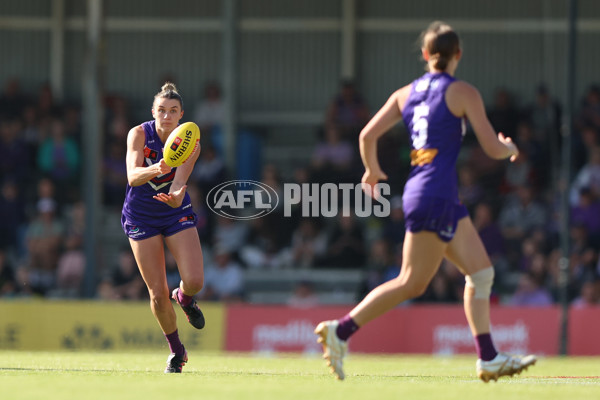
<point x="181" y="144"/>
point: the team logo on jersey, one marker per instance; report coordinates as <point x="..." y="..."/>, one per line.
<point x="150" y="154"/>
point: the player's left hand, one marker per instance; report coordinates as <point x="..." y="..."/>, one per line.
<point x="173" y="199"/>
<point x="512" y="148"/>
<point x="369" y="180"/>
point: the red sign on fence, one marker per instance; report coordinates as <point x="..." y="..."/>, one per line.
<point x="412" y="329"/>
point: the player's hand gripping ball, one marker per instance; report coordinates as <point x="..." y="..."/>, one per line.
<point x="181" y="144"/>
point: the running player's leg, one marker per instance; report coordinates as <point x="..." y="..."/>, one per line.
<point x="467" y="252"/>
<point x="186" y="249"/>
<point x="149" y="255"/>
<point x="422" y="255"/>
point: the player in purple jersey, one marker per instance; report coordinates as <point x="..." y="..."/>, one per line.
<point x="433" y="108"/>
<point x="158" y="211"/>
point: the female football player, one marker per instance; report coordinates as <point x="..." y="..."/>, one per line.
<point x="157" y="211"/>
<point x="433" y="108"/>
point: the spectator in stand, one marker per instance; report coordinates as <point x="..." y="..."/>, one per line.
<point x="529" y="250"/>
<point x="530" y="292"/>
<point x="70" y="269"/>
<point x="31" y="133"/>
<point x="519" y="173"/>
<point x="545" y="117"/>
<point x="490" y="172"/>
<point x="71" y="263"/>
<point x="58" y="158"/>
<point x="384" y="264"/>
<point x="72" y="120"/>
<point x="44" y="239"/>
<point x="46" y="104"/>
<point x="394" y="227"/>
<point x="346" y="248"/>
<point x="503" y="114"/>
<point x="12" y="101"/>
<point x="332" y="157"/>
<point x="263" y="248"/>
<point x="584" y="256"/>
<point x="114" y="175"/>
<point x="584" y="141"/>
<point x="209" y="170"/>
<point x="587" y="177"/>
<point x="209" y="114"/>
<point x="118" y="119"/>
<point x="223" y="279"/>
<point x="348" y="111"/>
<point x="587" y="213"/>
<point x="470" y="191"/>
<point x="205" y="218"/>
<point x="380" y="256"/>
<point x="440" y="290"/>
<point x="536" y="153"/>
<point x="303" y="296"/>
<point x="590" y="110"/>
<point x="14" y="163"/>
<point x="229" y="234"/>
<point x="520" y="217"/>
<point x="12" y="215"/>
<point x="8" y="283"/>
<point x="308" y="244"/>
<point x="493" y="241"/>
<point x="589" y="295"/>
<point x="124" y="282"/>
<point x="488" y="229"/>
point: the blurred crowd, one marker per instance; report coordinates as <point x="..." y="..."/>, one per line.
<point x="514" y="206"/>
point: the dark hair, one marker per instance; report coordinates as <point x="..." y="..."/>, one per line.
<point x="441" y="42"/>
<point x="169" y="91"/>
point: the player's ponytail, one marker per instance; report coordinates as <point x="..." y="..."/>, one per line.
<point x="441" y="43"/>
<point x="169" y="91"/>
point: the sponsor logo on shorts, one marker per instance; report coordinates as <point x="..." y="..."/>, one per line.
<point x="135" y="231"/>
<point x="246" y="199"/>
<point x="448" y="232"/>
<point x="186" y="218"/>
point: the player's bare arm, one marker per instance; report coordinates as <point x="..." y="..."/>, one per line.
<point x="137" y="174"/>
<point x="464" y="100"/>
<point x="386" y="117"/>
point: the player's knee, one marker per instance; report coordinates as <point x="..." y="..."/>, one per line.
<point x="194" y="284"/>
<point x="414" y="289"/>
<point x="159" y="298"/>
<point x="481" y="283"/>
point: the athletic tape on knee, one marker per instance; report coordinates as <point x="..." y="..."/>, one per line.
<point x="482" y="282"/>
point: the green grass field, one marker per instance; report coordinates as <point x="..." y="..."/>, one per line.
<point x="86" y="375"/>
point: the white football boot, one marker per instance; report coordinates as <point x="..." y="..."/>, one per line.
<point x="503" y="365"/>
<point x="334" y="349"/>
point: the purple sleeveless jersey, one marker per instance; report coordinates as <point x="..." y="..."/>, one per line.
<point x="143" y="216"/>
<point x="436" y="136"/>
<point x="431" y="192"/>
